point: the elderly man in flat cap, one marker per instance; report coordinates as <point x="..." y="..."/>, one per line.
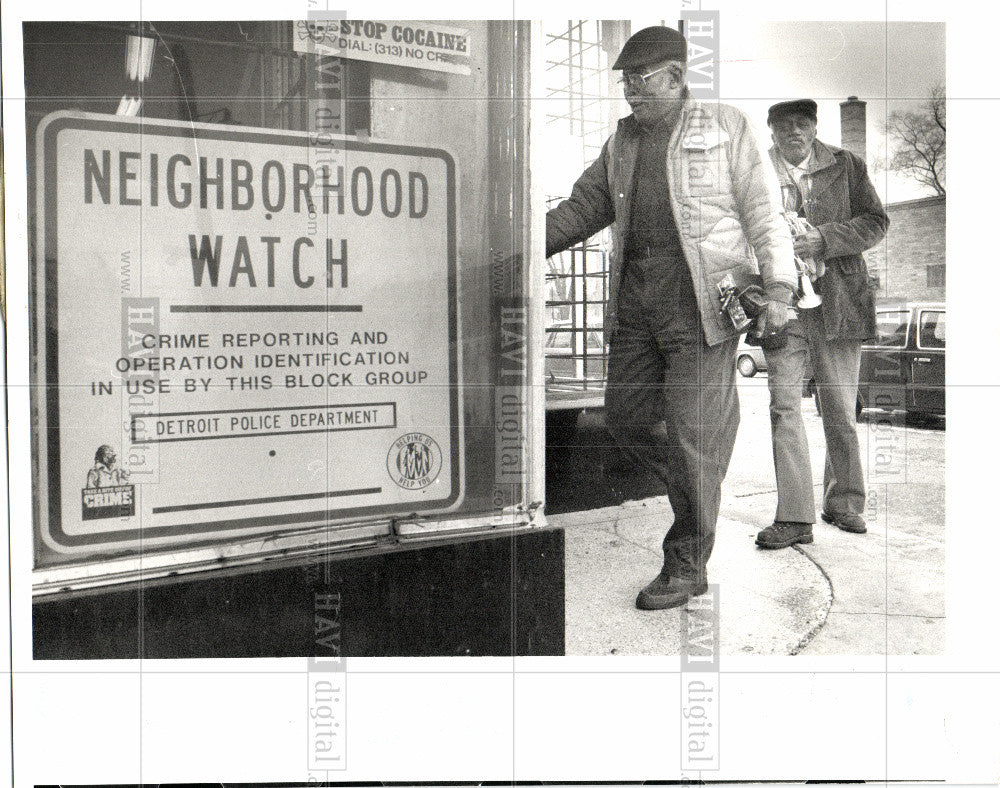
<point x="689" y="193"/>
<point x="829" y="188"/>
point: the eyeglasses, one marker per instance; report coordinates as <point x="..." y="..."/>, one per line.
<point x="639" y="80"/>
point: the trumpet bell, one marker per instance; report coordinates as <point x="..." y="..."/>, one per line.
<point x="809" y="298"/>
<point x="809" y="301"/>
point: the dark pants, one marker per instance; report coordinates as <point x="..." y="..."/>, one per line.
<point x="671" y="404"/>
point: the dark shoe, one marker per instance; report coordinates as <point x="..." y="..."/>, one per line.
<point x="853" y="523"/>
<point x="666" y="592"/>
<point x="778" y="535"/>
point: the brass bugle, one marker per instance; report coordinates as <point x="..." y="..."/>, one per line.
<point x="809" y="299"/>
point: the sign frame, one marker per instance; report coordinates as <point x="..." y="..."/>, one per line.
<point x="46" y="326"/>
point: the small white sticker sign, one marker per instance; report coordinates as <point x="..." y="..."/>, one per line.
<point x="426" y="45"/>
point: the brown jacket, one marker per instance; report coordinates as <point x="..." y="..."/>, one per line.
<point x="849" y="215"/>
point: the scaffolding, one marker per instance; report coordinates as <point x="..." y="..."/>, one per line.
<point x="578" y="109"/>
<point x="576" y="85"/>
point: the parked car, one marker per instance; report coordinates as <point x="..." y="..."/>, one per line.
<point x="904" y="369"/>
<point x="750" y="359"/>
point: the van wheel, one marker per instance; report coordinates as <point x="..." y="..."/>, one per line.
<point x="745" y="364"/>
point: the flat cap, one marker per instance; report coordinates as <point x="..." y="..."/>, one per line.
<point x="805" y="107"/>
<point x="651" y="45"/>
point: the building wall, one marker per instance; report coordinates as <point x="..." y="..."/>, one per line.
<point x="916" y="240"/>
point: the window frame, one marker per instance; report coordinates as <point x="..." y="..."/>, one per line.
<point x="907" y="319"/>
<point x="920" y="325"/>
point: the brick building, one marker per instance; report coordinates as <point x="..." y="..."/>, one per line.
<point x="910" y="262"/>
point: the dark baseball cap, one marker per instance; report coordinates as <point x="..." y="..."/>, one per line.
<point x="805" y="107"/>
<point x="652" y="45"/>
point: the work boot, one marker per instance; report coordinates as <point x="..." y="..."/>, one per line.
<point x="666" y="591"/>
<point x="778" y="535"/>
<point x="850" y="522"/>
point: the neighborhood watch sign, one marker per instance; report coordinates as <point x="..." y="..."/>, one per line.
<point x="426" y="45"/>
<point x="240" y="332"/>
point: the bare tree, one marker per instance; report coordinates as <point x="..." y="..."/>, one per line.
<point x="917" y="141"/>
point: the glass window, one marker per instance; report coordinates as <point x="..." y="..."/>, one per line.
<point x="892" y="326"/>
<point x="559" y="338"/>
<point x="452" y="138"/>
<point x="935" y="275"/>
<point x="583" y="104"/>
<point x="931" y="330"/>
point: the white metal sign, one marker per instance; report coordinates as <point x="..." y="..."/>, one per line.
<point x="426" y="45"/>
<point x="239" y="331"/>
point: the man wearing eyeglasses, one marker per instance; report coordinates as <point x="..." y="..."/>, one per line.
<point x="830" y="189"/>
<point x="689" y="193"/>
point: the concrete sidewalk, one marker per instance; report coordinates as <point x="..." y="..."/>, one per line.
<point x="769" y="603"/>
<point x="888" y="584"/>
<point x="857" y="594"/>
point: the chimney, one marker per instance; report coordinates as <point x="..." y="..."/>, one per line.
<point x="852" y="126"/>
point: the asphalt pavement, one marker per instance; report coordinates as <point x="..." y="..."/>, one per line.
<point x="860" y="594"/>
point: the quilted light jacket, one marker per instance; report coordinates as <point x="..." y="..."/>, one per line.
<point x="725" y="200"/>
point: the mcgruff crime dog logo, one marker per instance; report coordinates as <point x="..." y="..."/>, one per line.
<point x="107" y="493"/>
<point x="414" y="460"/>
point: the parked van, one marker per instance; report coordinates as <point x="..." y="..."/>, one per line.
<point x="903" y="369"/>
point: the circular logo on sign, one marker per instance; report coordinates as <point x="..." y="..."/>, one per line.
<point x="414" y="460"/>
